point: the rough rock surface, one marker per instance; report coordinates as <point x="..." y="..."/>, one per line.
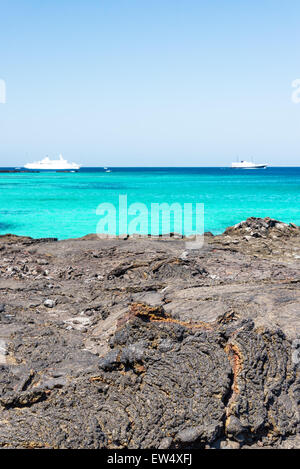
<point x="139" y="343"/>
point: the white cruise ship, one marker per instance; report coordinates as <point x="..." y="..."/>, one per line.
<point x="58" y="165"/>
<point x="248" y="165"/>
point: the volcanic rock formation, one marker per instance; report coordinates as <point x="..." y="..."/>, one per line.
<point x="140" y="343"/>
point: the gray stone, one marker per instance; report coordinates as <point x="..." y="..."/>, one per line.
<point x="49" y="303"/>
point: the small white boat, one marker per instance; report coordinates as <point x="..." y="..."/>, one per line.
<point x="47" y="164"/>
<point x="248" y="165"/>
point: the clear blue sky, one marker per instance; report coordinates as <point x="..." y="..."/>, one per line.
<point x="157" y="82"/>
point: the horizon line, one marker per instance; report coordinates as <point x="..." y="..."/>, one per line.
<point x="165" y="166"/>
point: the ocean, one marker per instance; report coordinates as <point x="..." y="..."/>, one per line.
<point x="63" y="205"/>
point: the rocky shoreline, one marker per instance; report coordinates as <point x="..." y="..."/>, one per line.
<point x="142" y="343"/>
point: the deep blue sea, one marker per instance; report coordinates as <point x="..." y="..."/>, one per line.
<point x="64" y="205"/>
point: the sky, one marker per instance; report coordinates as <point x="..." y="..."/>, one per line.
<point x="150" y="83"/>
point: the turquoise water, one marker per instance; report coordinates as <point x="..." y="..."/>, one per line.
<point x="64" y="205"/>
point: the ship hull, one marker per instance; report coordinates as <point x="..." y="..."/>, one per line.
<point x="36" y="168"/>
<point x="248" y="166"/>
